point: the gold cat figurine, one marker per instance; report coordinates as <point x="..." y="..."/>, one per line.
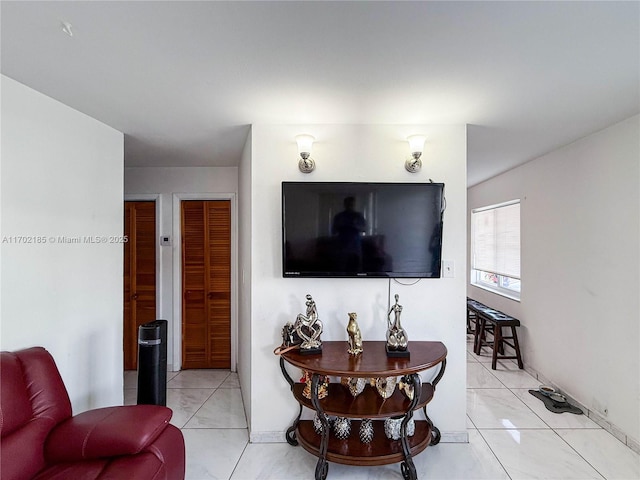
<point x="355" y="337"/>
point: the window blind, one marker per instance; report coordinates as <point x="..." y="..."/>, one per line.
<point x="496" y="239"/>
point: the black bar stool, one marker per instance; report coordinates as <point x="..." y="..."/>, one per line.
<point x="492" y="321"/>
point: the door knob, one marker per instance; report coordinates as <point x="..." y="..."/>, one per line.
<point x="134" y="296"/>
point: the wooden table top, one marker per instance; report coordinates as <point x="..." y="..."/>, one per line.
<point x="372" y="362"/>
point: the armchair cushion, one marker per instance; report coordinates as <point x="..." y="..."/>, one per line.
<point x="119" y="468"/>
<point x="106" y="432"/>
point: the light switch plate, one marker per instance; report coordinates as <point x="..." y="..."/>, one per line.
<point x="448" y="269"/>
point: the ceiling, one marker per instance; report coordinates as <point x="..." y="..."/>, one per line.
<point x="184" y="80"/>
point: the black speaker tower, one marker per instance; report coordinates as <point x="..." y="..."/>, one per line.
<point x="152" y="363"/>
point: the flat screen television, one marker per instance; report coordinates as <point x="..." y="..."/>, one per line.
<point x="342" y="229"/>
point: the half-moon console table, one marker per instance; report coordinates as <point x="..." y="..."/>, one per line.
<point x="372" y="363"/>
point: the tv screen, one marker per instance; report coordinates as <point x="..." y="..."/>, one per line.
<point x="341" y="229"/>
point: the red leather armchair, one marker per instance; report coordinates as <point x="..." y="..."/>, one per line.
<point x="42" y="440"/>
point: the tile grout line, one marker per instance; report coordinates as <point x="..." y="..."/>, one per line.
<point x="494" y="454"/>
<point x="579" y="454"/>
<point x="214" y="390"/>
<point x="241" y="455"/>
<point x="203" y="403"/>
<point x="504" y="386"/>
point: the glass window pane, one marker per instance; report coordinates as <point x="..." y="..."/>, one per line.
<point x="495" y="239"/>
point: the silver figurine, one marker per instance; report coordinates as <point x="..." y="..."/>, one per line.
<point x="396" y="336"/>
<point x="309" y="326"/>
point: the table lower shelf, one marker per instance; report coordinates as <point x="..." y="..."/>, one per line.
<point x="380" y="451"/>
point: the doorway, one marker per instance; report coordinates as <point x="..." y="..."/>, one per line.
<point x="139" y="274"/>
<point x="206" y="283"/>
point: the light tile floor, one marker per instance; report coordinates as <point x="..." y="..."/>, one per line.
<point x="511" y="435"/>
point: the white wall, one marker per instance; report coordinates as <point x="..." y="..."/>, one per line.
<point x="244" y="266"/>
<point x="434" y="309"/>
<point x="62" y="177"/>
<point x="168" y="185"/>
<point x="580" y="269"/>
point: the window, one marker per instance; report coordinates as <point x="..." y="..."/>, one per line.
<point x="495" y="248"/>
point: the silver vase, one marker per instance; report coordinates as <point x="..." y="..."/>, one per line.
<point x="355" y="385"/>
<point x="366" y="430"/>
<point x="392" y="428"/>
<point x="342" y="428"/>
<point x="386" y="386"/>
<point x="317" y="424"/>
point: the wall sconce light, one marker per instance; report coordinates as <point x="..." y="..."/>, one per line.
<point x="306" y="163"/>
<point x="416" y="145"/>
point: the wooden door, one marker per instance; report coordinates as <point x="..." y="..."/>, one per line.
<point x="139" y="274"/>
<point x="206" y="284"/>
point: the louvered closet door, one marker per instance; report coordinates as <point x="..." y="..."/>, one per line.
<point x="206" y="284"/>
<point x="139" y="274"/>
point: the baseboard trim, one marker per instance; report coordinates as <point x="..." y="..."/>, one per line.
<point x="454" y="437"/>
<point x="267" y="437"/>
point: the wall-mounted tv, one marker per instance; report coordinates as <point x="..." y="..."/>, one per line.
<point x="346" y="229"/>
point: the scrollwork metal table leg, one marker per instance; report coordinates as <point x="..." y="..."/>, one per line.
<point x="322" y="467"/>
<point x="435" y="431"/>
<point x="408" y="470"/>
<point x="435" y="435"/>
<point x="286" y="375"/>
<point x="407" y="467"/>
<point x="443" y="366"/>
<point x="291" y="431"/>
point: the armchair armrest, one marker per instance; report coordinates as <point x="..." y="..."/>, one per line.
<point x="106" y="432"/>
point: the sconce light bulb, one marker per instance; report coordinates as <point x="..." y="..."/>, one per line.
<point x="416" y="144"/>
<point x="305" y="142"/>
